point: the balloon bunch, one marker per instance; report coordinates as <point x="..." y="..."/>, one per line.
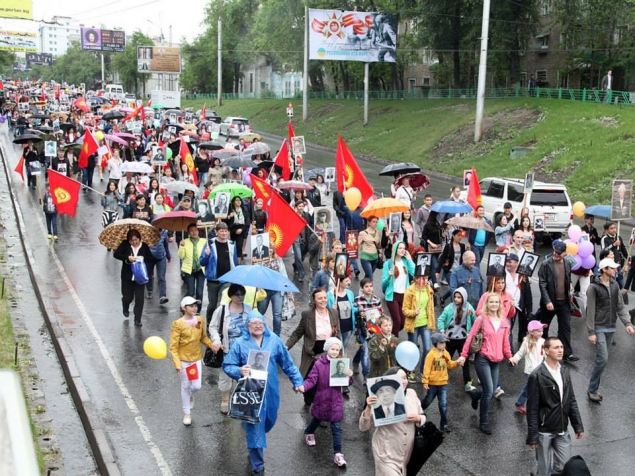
<point x="581" y="250"/>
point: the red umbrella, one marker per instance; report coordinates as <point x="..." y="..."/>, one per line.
<point x="294" y="185"/>
<point x="418" y="181"/>
<point x="175" y="221"/>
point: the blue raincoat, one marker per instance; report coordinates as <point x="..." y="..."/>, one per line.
<point x="279" y="355"/>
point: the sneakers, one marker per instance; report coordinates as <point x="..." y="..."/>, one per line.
<point x="436" y="286"/>
<point x="55" y="237"/>
<point x="148" y="295"/>
<point x="163" y="300"/>
<point x="310" y="440"/>
<point x="339" y="460"/>
<point x="469" y="387"/>
<point x="445" y="429"/>
<point x="187" y="420"/>
<point x="594" y="397"/>
<point x="498" y="393"/>
<point x="50" y="236"/>
<point x="522" y="409"/>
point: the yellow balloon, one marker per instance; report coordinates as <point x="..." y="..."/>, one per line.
<point x="572" y="249"/>
<point x="155" y="348"/>
<point x="99" y="135"/>
<point x="352" y="197"/>
<point x="578" y="209"/>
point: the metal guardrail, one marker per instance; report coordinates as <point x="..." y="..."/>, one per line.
<point x="584" y="95"/>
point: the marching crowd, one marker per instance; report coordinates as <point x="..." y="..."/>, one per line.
<point x="455" y="315"/>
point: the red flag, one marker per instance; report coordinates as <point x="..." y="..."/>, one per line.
<point x="150" y="103"/>
<point x="20" y="167"/>
<point x="348" y="172"/>
<point x="291" y="131"/>
<point x="1" y="85"/>
<point x="474" y="197"/>
<point x="186" y="156"/>
<point x="192" y="371"/>
<point x="283" y="224"/>
<point x="65" y="192"/>
<point x="58" y="93"/>
<point x="204" y="112"/>
<point x="99" y="94"/>
<point x="262" y="190"/>
<point x="89" y="147"/>
<point x="43" y="95"/>
<point x="80" y="103"/>
<point x="133" y="114"/>
<point x="282" y="160"/>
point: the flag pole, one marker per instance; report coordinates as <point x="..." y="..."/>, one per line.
<point x="74" y="180"/>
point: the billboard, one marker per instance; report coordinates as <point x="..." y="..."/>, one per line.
<point x="158" y="59"/>
<point x="16" y="9"/>
<point x="95" y="39"/>
<point x="33" y="59"/>
<point x="352" y="36"/>
<point x="18" y="41"/>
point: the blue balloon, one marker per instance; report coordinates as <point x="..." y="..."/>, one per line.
<point x="407" y="355"/>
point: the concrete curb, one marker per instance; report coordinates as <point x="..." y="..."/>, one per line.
<point x="93" y="426"/>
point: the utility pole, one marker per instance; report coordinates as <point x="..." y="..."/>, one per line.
<point x="305" y="74"/>
<point x="482" y="74"/>
<point x="219" y="84"/>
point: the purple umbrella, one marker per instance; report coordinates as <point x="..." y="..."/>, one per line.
<point x="125" y="135"/>
<point x="116" y="139"/>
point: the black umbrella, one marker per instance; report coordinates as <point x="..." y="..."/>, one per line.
<point x="427" y="439"/>
<point x="113" y="115"/>
<point x="176" y="147"/>
<point x="39" y="115"/>
<point x="172" y="128"/>
<point x="173" y="112"/>
<point x="265" y="164"/>
<point x="400" y="168"/>
<point x="210" y="145"/>
<point x="23" y="139"/>
<point x="45" y="128"/>
<point x="65" y="126"/>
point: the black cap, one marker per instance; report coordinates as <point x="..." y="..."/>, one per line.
<point x="507" y="205"/>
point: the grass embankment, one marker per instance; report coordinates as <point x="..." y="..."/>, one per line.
<point x="583" y="145"/>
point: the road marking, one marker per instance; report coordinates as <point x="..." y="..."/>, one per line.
<point x="143" y="428"/>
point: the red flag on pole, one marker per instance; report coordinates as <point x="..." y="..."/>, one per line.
<point x="134" y="114"/>
<point x="186" y="157"/>
<point x="291" y="131"/>
<point x="65" y="192"/>
<point x="474" y="197"/>
<point x="283" y="223"/>
<point x="204" y="112"/>
<point x="282" y="160"/>
<point x="80" y="104"/>
<point x="89" y="147"/>
<point x="348" y="172"/>
<point x="43" y="96"/>
<point x="20" y="167"/>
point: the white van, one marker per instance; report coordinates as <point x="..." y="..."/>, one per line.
<point x="550" y="200"/>
<point x="114" y="91"/>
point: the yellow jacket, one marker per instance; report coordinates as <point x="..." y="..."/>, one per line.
<point x="410" y="308"/>
<point x="187" y="253"/>
<point x="186" y="340"/>
<point x="435" y="369"/>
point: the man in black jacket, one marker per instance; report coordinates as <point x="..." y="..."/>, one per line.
<point x="551" y="404"/>
<point x="554" y="279"/>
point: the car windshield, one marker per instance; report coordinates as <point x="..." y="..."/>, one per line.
<point x="554" y="198"/>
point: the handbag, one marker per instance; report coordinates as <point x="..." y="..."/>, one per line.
<point x="140" y="272"/>
<point x="477" y="340"/>
<point x="427" y="439"/>
<point x="215" y="359"/>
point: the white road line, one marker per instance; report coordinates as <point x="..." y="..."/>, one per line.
<point x="143" y="428"/>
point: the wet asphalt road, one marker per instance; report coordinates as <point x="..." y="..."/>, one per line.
<point x="139" y="398"/>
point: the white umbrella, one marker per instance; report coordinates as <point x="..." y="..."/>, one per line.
<point x="136" y="167"/>
<point x="257" y="148"/>
<point x="180" y="187"/>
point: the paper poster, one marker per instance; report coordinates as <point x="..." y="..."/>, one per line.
<point x="50" y="148"/>
<point x="258" y="360"/>
<point x="390" y="407"/>
<point x="352" y="245"/>
<point x="338" y="370"/>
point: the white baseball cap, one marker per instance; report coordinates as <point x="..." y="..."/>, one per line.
<point x="188" y="300"/>
<point x="608" y="262"/>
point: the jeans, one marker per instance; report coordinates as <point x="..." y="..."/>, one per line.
<point x="361" y="356"/>
<point x="563" y="311"/>
<point x="552" y="453"/>
<point x="369" y="267"/>
<point x="51" y="223"/>
<point x="355" y="266"/>
<point x="512" y="321"/>
<point x="195" y="283"/>
<point x="345" y="337"/>
<point x="456" y="345"/>
<point x="441" y="392"/>
<point x="488" y="375"/>
<point x="202" y="177"/>
<point x="424" y="333"/>
<point x="479" y="251"/>
<point x="604" y="341"/>
<point x="257" y="459"/>
<point x="434" y="263"/>
<point x="275" y="297"/>
<point x="87" y="176"/>
<point x="336" y="431"/>
<point x="342" y="221"/>
<point x="161" y="267"/>
<point x="298" y="265"/>
<point x="522" y="398"/>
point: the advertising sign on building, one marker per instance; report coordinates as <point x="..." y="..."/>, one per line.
<point x="16" y="9"/>
<point x="158" y="59"/>
<point x="18" y="41"/>
<point x="95" y="39"/>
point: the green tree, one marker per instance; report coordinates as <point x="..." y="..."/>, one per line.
<point x="75" y="66"/>
<point x="125" y="64"/>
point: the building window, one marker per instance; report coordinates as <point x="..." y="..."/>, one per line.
<point x="251" y="82"/>
<point x="545" y="8"/>
<point x="541" y="78"/>
<point x="426" y="81"/>
<point x="523" y="80"/>
<point x="412" y="83"/>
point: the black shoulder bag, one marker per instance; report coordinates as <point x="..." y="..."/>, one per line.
<point x="215" y="360"/>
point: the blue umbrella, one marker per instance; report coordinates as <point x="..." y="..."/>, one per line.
<point x="603" y="211"/>
<point x="259" y="276"/>
<point x="450" y="206"/>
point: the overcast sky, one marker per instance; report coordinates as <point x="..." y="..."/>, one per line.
<point x="185" y="16"/>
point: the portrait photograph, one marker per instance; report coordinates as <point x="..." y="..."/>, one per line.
<point x="221" y="205"/>
<point x="539" y="223"/>
<point x="529" y="182"/>
<point x="204" y="211"/>
<point x="158" y="157"/>
<point x="496" y="265"/>
<point x="323" y="217"/>
<point x="621" y="199"/>
<point x="260" y="246"/>
<point x="422" y="264"/>
<point x="528" y="264"/>
<point x="467" y="178"/>
<point x="298" y="145"/>
<point x="341" y="264"/>
<point x="62" y="167"/>
<point x="258" y="360"/>
<point x="390" y="407"/>
<point x="50" y="148"/>
<point x="352" y="245"/>
<point x="35" y="167"/>
<point x="631" y="240"/>
<point x="338" y="370"/>
<point x="329" y="174"/>
<point x="394" y="223"/>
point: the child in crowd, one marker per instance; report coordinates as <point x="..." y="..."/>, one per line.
<point x="328" y="404"/>
<point x="381" y="348"/>
<point x="50" y="212"/>
<point x="532" y="350"/>
<point x="366" y="324"/>
<point x="435" y="377"/>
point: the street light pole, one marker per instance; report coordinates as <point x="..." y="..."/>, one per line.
<point x="482" y="74"/>
<point x="219" y="80"/>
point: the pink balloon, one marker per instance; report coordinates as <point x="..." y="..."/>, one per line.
<point x="585" y="248"/>
<point x="575" y="232"/>
<point x="588" y="262"/>
<point x="578" y="263"/>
